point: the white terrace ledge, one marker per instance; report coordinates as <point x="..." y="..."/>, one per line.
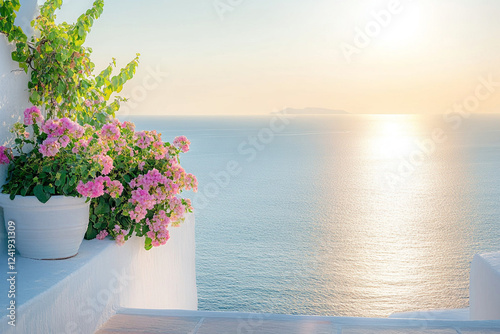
<point x="79" y="294"/>
<point x="203" y="322"/>
<point x="484" y="294"/>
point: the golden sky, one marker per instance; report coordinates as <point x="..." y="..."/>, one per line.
<point x="258" y="56"/>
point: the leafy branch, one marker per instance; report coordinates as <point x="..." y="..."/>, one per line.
<point x="61" y="71"/>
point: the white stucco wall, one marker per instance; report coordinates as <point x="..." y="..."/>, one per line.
<point x="484" y="294"/>
<point x="78" y="295"/>
<point x="484" y="290"/>
<point x="13" y="89"/>
<point x="13" y="81"/>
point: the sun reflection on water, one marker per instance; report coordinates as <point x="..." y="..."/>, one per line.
<point x="392" y="137"/>
<point x="382" y="250"/>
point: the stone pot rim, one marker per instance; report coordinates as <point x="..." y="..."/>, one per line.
<point x="30" y="201"/>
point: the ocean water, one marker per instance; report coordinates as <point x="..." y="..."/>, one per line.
<point x="342" y="215"/>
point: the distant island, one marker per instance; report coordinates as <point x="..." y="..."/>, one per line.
<point x="313" y="111"/>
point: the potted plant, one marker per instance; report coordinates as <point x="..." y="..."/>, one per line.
<point x="40" y="194"/>
<point x="131" y="180"/>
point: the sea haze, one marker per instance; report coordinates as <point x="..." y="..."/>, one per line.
<point x="344" y="215"/>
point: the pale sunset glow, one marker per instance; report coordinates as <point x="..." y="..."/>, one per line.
<point x="411" y="28"/>
<point x="256" y="57"/>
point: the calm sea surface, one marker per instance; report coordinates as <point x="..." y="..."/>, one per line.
<point x="339" y="215"/>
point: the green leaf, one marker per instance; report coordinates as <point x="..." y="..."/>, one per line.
<point x="65" y="189"/>
<point x="102" y="207"/>
<point x="81" y="31"/>
<point x="99" y="81"/>
<point x="35" y="97"/>
<point x="49" y="189"/>
<point x="83" y="170"/>
<point x="41" y="194"/>
<point x="91" y="232"/>
<point x="99" y="224"/>
<point x="101" y="118"/>
<point x="147" y="243"/>
<point x="115" y="82"/>
<point x="61" y="87"/>
<point x="24" y="66"/>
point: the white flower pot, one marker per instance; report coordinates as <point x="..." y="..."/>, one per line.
<point x="52" y="230"/>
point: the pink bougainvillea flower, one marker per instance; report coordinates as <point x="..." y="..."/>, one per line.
<point x="144" y="139"/>
<point x="158" y="232"/>
<point x="53" y="127"/>
<point x="120" y="235"/>
<point x="188" y="204"/>
<point x="110" y="132"/>
<point x="114" y="188"/>
<point x="191" y="182"/>
<point x="103" y="234"/>
<point x="64" y="141"/>
<point x="120" y="239"/>
<point x="128" y="125"/>
<point x="106" y="163"/>
<point x="5" y="155"/>
<point x="182" y="143"/>
<point x="50" y="147"/>
<point x="32" y="115"/>
<point x="90" y="189"/>
<point x="69" y="127"/>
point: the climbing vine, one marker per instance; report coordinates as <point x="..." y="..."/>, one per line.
<point x="62" y="80"/>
